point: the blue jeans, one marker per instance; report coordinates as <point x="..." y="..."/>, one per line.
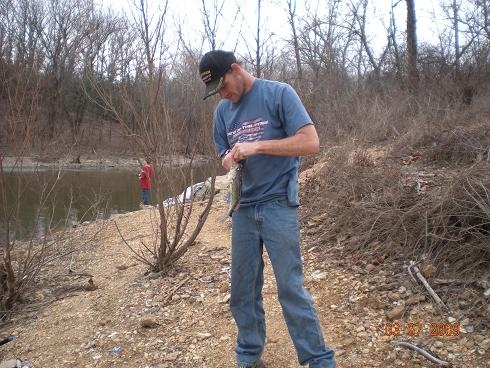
<point x="145" y="194"/>
<point x="275" y="225"/>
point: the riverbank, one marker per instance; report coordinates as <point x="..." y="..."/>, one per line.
<point x="84" y="162"/>
<point x="128" y="317"/>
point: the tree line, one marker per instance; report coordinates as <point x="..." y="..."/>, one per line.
<point x="67" y="66"/>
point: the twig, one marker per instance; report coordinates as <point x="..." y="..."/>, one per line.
<point x="140" y="258"/>
<point x="424" y="282"/>
<point x="422" y="352"/>
<point x="167" y="298"/>
<point x="409" y="268"/>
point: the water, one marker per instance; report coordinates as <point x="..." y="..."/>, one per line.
<point x="78" y="196"/>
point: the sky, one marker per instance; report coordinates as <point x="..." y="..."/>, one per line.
<point x="274" y="18"/>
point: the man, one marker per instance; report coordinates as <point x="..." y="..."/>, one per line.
<point x="145" y="181"/>
<point x="264" y="125"/>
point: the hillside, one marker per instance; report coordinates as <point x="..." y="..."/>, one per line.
<point x="131" y="318"/>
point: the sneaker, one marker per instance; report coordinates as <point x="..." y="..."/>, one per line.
<point x="258" y="364"/>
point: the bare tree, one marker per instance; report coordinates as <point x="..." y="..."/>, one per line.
<point x="210" y="18"/>
<point x="413" y="76"/>
<point x="292" y="22"/>
<point x="141" y="100"/>
<point x="359" y="11"/>
<point x="394" y="42"/>
<point x="260" y="53"/>
<point x="22" y="261"/>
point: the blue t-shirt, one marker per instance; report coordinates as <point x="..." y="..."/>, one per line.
<point x="270" y="110"/>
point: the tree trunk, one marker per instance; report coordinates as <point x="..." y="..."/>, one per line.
<point x="413" y="76"/>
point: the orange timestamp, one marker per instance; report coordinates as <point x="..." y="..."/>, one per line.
<point x="417" y="328"/>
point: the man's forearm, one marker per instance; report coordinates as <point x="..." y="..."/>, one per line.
<point x="297" y="145"/>
<point x="303" y="142"/>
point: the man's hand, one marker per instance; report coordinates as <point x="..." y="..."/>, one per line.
<point x="243" y="150"/>
<point x="227" y="162"/>
<point x="239" y="152"/>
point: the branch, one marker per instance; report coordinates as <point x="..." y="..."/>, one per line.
<point x="422" y="352"/>
<point x="424" y="282"/>
<point x="167" y="298"/>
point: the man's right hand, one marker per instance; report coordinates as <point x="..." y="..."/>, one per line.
<point x="227" y="162"/>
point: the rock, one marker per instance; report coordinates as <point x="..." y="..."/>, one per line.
<point x="319" y="275"/>
<point x="171" y="357"/>
<point x="154" y="275"/>
<point x="347" y="342"/>
<point x="90" y="286"/>
<point x="206" y="279"/>
<point x="224" y="287"/>
<point x="396" y="313"/>
<point x="370" y="267"/>
<point x="149" y="322"/>
<point x="414" y="299"/>
<point x="12" y="363"/>
<point x="116" y="350"/>
<point x="438" y="344"/>
<point x="203" y="335"/>
<point x="376" y="303"/>
<point x="485" y="344"/>
<point x="468" y="328"/>
<point x="90" y="345"/>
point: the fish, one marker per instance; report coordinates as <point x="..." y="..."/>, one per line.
<point x="235" y="188"/>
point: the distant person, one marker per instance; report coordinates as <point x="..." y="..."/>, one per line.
<point x="263" y="125"/>
<point x="145" y="181"/>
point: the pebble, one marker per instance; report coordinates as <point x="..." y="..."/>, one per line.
<point x="395" y="313"/>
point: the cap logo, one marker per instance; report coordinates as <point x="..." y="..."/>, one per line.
<point x="206" y="76"/>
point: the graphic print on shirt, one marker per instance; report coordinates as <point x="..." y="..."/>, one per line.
<point x="247" y="131"/>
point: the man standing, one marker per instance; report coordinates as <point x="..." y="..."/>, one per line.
<point x="145" y="181"/>
<point x="264" y="125"/>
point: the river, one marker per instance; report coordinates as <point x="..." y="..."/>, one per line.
<point x="78" y="196"/>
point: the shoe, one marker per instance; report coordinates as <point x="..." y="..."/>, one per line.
<point x="258" y="364"/>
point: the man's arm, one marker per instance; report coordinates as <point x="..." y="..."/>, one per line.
<point x="304" y="142"/>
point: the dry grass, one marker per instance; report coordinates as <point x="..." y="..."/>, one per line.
<point x="431" y="202"/>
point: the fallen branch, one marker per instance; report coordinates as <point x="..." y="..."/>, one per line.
<point x="167" y="298"/>
<point x="422" y="352"/>
<point x="424" y="282"/>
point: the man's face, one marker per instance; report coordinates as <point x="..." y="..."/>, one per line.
<point x="232" y="88"/>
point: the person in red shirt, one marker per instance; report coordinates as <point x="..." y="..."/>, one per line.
<point x="145" y="181"/>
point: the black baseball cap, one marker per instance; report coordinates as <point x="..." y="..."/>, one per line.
<point x="213" y="67"/>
